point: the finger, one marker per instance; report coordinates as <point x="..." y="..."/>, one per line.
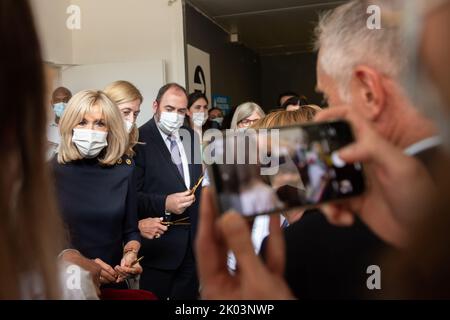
<point x="275" y="250"/>
<point x="138" y="268"/>
<point x="126" y="261"/>
<point x="355" y="152"/>
<point x="185" y="193"/>
<point x="106" y="267"/>
<point x="161" y="228"/>
<point x="126" y="271"/>
<point x="107" y="276"/>
<point x="147" y="235"/>
<point x="214" y="263"/>
<point x="367" y="149"/>
<point x="238" y="239"/>
<point x="121" y="271"/>
<point x="187" y="199"/>
<point x="187" y="204"/>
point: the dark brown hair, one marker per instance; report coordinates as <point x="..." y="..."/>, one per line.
<point x="30" y="228"/>
<point x="166" y="88"/>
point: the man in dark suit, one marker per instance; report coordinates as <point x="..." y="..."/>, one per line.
<point x="168" y="167"/>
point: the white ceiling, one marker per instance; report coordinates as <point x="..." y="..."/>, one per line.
<point x="268" y="26"/>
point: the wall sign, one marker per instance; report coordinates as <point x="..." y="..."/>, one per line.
<point x="199" y="72"/>
<point x="222" y="102"/>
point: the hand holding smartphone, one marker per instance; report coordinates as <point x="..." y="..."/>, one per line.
<point x="275" y="170"/>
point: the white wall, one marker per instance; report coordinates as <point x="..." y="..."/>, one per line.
<point x="131" y="30"/>
<point x="56" y="38"/>
<point x="114" y="31"/>
<point x="147" y="76"/>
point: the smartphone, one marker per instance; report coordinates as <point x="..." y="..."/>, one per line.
<point x="264" y="171"/>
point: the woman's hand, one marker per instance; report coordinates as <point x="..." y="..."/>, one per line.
<point x="107" y="274"/>
<point x="127" y="268"/>
<point x="75" y="257"/>
<point x="152" y="228"/>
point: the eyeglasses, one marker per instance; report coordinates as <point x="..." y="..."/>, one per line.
<point x="248" y="122"/>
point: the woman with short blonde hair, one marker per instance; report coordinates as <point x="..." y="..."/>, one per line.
<point x="96" y="186"/>
<point x="246" y="114"/>
<point x="286" y="118"/>
<point x="82" y="103"/>
<point x="128" y="99"/>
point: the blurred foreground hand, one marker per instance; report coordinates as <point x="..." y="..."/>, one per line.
<point x="253" y="280"/>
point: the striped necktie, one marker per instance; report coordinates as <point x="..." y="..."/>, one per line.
<point x="175" y="154"/>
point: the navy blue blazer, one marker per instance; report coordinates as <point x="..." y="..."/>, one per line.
<point x="158" y="177"/>
<point x="99" y="206"/>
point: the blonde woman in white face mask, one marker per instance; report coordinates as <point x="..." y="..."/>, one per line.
<point x="96" y="186"/>
<point x="128" y="99"/>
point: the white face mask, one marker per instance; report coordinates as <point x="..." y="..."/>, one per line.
<point x="199" y="118"/>
<point x="218" y="120"/>
<point x="89" y="142"/>
<point x="170" y="122"/>
<point x="128" y="125"/>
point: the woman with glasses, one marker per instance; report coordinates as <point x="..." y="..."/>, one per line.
<point x="246" y="115"/>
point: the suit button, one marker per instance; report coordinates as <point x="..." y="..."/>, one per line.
<point x="119" y="161"/>
<point x="128" y="161"/>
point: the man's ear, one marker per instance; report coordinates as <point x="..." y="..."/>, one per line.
<point x="155" y="106"/>
<point x="369" y="86"/>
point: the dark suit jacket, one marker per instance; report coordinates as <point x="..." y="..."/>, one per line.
<point x="158" y="177"/>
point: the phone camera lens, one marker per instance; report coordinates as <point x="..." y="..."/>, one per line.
<point x="346" y="187"/>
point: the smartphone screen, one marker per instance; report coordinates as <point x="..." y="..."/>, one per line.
<point x="274" y="170"/>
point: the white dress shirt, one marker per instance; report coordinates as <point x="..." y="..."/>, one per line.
<point x="184" y="161"/>
<point x="422" y="145"/>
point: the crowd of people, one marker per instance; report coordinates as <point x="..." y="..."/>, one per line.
<point x="135" y="211"/>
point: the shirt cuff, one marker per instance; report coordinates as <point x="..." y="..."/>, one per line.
<point x="61" y="254"/>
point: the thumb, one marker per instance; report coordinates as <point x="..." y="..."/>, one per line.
<point x="275" y="251"/>
<point x="355" y="152"/>
<point x="238" y="239"/>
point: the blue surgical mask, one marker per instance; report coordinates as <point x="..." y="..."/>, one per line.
<point x="59" y="108"/>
